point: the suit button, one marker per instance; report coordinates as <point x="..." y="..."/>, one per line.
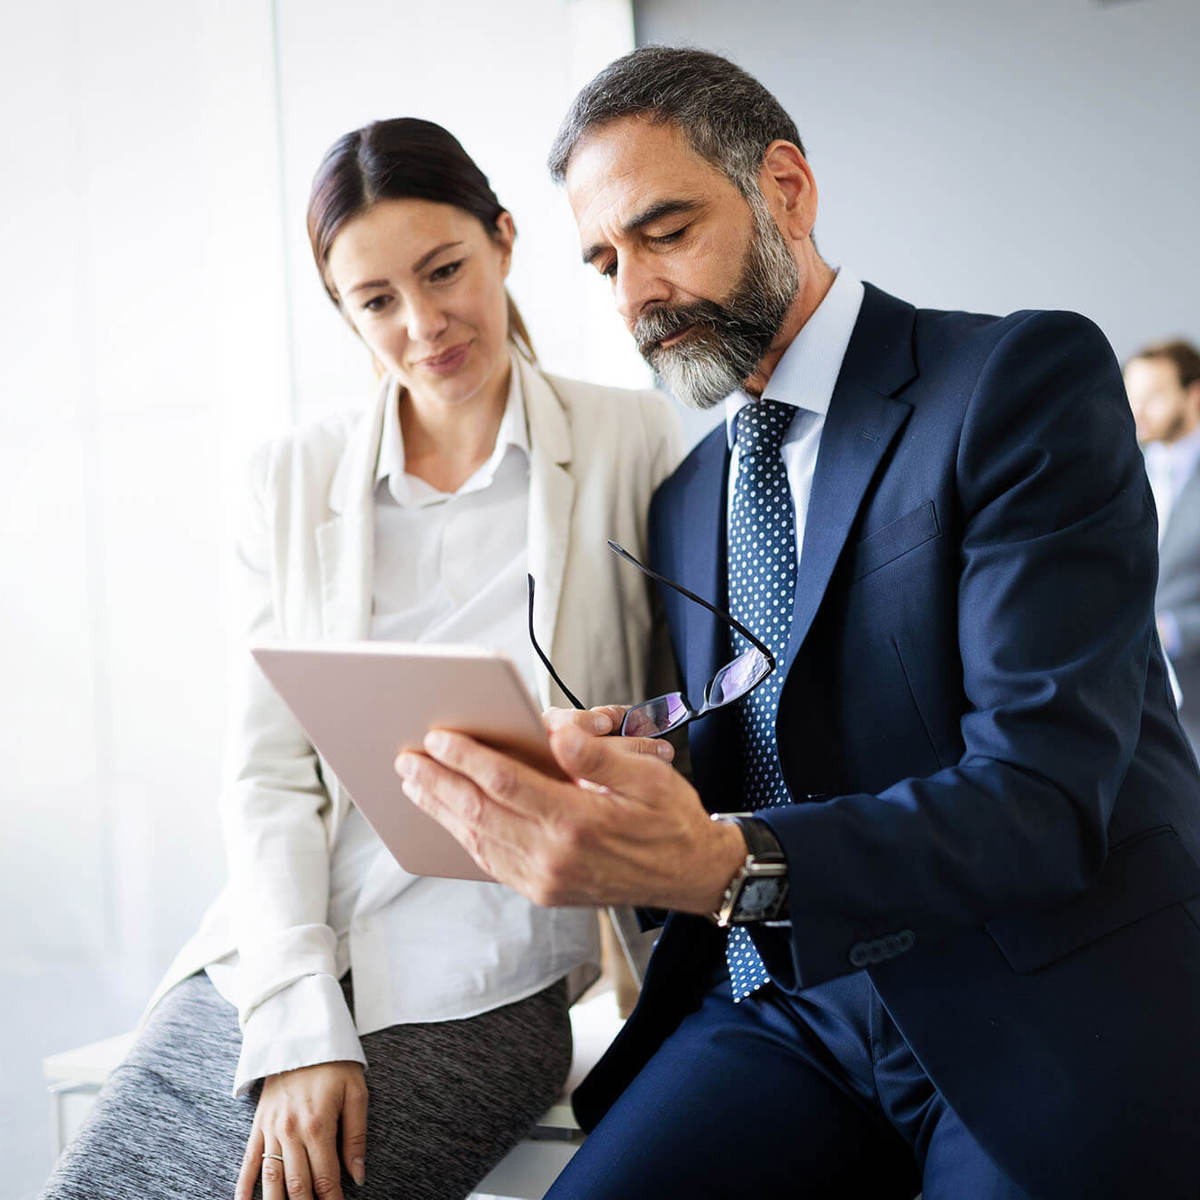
<point x="860" y="954"/>
<point x="906" y="938"/>
<point x="891" y="945"/>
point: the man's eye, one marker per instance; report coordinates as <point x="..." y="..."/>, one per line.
<point x="665" y="239"/>
<point x="446" y="272"/>
<point x="609" y="269"/>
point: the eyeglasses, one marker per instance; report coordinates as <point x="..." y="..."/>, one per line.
<point x="665" y="714"/>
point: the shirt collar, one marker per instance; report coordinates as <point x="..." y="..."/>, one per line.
<point x="805" y="376"/>
<point x="409" y="491"/>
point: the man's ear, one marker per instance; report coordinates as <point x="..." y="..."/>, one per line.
<point x="1192" y="395"/>
<point x="787" y="184"/>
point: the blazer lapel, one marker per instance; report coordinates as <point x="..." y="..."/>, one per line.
<point x="863" y="420"/>
<point x="346" y="542"/>
<point x="699" y="564"/>
<point x="551" y="500"/>
<point x="702" y="566"/>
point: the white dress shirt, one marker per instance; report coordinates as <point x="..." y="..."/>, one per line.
<point x="804" y="378"/>
<point x="448" y="567"/>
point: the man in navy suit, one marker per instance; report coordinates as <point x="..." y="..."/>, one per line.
<point x="958" y="946"/>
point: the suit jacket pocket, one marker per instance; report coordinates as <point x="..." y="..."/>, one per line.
<point x="896" y="538"/>
<point x="1143" y="875"/>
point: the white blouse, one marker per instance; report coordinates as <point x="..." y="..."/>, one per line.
<point x="447" y="568"/>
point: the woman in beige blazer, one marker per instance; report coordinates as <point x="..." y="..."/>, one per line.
<point x="325" y="975"/>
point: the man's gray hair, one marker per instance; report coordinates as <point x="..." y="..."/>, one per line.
<point x="727" y="115"/>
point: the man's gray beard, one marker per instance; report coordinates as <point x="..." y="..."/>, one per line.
<point x="726" y="342"/>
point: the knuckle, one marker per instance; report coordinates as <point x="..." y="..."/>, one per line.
<point x="288" y="1125"/>
<point x="313" y="1125"/>
<point x="271" y="1172"/>
<point x="503" y="781"/>
<point x="296" y="1185"/>
<point x="355" y="1141"/>
<point x="324" y="1185"/>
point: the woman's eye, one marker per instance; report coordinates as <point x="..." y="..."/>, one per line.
<point x="446" y="272"/>
<point x="377" y="304"/>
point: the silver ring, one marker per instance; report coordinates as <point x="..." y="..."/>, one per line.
<point x="278" y="1156"/>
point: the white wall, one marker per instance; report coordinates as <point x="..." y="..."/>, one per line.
<point x="161" y="316"/>
<point x="986" y="155"/>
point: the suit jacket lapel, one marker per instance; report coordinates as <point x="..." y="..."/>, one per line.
<point x="346" y="542"/>
<point x="551" y="500"/>
<point x="702" y="565"/>
<point x="863" y="420"/>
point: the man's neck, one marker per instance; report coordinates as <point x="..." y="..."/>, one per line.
<point x="818" y="278"/>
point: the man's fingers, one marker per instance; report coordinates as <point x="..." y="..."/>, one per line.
<point x="599" y="721"/>
<point x="354" y="1131"/>
<point x="637" y="766"/>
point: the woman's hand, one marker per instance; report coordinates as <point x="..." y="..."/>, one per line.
<point x="298" y="1117"/>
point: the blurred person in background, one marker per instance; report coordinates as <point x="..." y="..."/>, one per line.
<point x="334" y="1010"/>
<point x="1163" y="381"/>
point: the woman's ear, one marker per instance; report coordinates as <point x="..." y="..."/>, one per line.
<point x="505" y="234"/>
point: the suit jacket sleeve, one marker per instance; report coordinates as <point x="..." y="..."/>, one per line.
<point x="1055" y="600"/>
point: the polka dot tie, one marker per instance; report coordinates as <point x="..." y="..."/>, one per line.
<point x="762" y="588"/>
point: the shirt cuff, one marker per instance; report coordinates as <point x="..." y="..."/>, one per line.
<point x="305" y="1023"/>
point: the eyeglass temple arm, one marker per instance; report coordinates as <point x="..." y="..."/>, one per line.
<point x="618" y="549"/>
<point x="566" y="691"/>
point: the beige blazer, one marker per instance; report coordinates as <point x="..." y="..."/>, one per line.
<point x="596" y="456"/>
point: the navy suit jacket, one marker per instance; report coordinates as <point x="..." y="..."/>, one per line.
<point x="996" y="812"/>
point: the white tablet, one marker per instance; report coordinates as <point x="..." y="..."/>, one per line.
<point x="361" y="703"/>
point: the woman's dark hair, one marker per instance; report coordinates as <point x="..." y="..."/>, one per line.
<point x="401" y="159"/>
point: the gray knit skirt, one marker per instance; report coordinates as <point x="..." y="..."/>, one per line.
<point x="447" y="1100"/>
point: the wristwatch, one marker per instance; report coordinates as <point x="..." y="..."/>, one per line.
<point x="758" y="890"/>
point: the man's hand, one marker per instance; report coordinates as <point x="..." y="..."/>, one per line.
<point x="629" y="830"/>
<point x="298" y="1116"/>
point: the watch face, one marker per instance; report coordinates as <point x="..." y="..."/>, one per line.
<point x="759" y="898"/>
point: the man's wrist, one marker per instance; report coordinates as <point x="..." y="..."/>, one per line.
<point x="757" y="889"/>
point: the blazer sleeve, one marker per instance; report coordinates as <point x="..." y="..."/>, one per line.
<point x="1055" y="619"/>
<point x="275" y="839"/>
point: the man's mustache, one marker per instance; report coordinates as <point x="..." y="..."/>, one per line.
<point x="665" y="322"/>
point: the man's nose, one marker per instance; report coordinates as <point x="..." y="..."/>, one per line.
<point x="637" y="286"/>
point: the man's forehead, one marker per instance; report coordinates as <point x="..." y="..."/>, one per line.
<point x="620" y="168"/>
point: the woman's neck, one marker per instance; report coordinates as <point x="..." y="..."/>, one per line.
<point x="445" y="444"/>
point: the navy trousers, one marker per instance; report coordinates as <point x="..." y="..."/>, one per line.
<point x="816" y="1095"/>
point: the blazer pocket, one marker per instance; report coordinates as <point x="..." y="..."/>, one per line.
<point x="1143" y="875"/>
<point x="898" y="537"/>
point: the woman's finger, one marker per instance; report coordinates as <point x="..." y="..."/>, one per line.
<point x="251" y="1164"/>
<point x="274" y="1171"/>
<point x="324" y="1169"/>
<point x="354" y="1131"/>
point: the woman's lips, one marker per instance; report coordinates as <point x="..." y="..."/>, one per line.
<point x="448" y="361"/>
